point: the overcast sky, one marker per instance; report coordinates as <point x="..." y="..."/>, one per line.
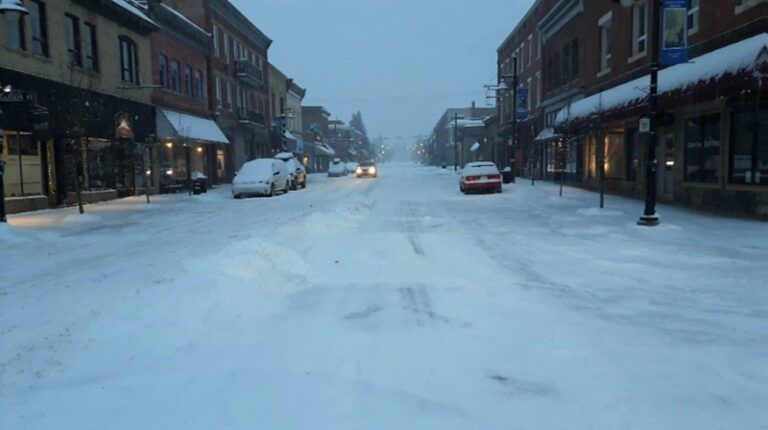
<point x="400" y="62"/>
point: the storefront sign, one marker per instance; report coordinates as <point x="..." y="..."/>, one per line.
<point x="645" y="125"/>
<point x="124" y="127"/>
<point x="675" y="46"/>
<point x="522" y="95"/>
<point x="17" y="97"/>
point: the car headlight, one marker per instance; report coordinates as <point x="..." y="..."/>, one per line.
<point x="373" y="170"/>
<point x="359" y="171"/>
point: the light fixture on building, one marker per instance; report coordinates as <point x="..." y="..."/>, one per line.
<point x="169" y="145"/>
<point x="13" y="7"/>
<point x="7" y="89"/>
<point x="169" y="172"/>
<point x="149" y="172"/>
<point x="200" y="149"/>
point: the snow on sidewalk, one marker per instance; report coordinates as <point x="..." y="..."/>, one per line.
<point x="380" y="304"/>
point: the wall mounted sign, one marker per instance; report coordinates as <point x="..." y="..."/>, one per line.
<point x="675" y="38"/>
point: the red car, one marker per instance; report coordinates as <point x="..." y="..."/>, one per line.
<point x="480" y="176"/>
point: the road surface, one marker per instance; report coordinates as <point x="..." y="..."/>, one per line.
<point x="394" y="303"/>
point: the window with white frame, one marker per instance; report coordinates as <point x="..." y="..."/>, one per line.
<point x="530" y="49"/>
<point x="219" y="101"/>
<point x="216" y="40"/>
<point x="693" y="16"/>
<point x="230" y="100"/>
<point x="226" y="47"/>
<point x="606" y="51"/>
<point x="639" y="28"/>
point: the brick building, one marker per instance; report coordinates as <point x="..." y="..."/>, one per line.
<point x="712" y="134"/>
<point x="238" y="77"/>
<point x="88" y="64"/>
<point x="189" y="139"/>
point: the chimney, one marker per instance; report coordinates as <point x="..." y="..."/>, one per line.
<point x="472" y="113"/>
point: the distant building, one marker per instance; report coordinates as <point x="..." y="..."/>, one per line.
<point x="465" y="123"/>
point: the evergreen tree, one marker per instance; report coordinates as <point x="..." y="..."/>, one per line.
<point x="357" y="123"/>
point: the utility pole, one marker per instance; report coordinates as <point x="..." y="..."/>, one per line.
<point x="649" y="217"/>
<point x="456" y="142"/>
<point x="3" y="217"/>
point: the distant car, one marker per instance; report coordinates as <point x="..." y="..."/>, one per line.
<point x="481" y="176"/>
<point x="367" y="168"/>
<point x="337" y="169"/>
<point x="351" y="166"/>
<point x="297" y="170"/>
<point x="261" y="177"/>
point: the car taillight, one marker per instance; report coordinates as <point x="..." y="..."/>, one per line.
<point x="494" y="176"/>
<point x="472" y="178"/>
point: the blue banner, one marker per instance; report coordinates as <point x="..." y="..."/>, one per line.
<point x="523" y="95"/>
<point x="674" y="48"/>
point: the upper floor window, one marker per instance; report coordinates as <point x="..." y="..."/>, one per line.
<point x="230" y="100"/>
<point x="219" y="100"/>
<point x="639" y="28"/>
<point x="188" y="81"/>
<point x="530" y="49"/>
<point x="216" y="40"/>
<point x="198" y="87"/>
<point x="162" y="71"/>
<point x="74" y="50"/>
<point x="175" y="76"/>
<point x="14" y="32"/>
<point x="129" y="60"/>
<point x="91" y="47"/>
<point x="606" y="49"/>
<point x="575" y="58"/>
<point x="566" y="63"/>
<point x="39" y="27"/>
<point x="693" y="17"/>
<point x="226" y="47"/>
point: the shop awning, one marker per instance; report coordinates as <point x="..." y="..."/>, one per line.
<point x="546" y="134"/>
<point x="172" y="124"/>
<point x="744" y="55"/>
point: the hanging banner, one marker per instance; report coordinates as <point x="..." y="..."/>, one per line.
<point x="674" y="48"/>
<point x="522" y="103"/>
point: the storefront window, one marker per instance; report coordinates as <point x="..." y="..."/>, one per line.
<point x="23" y="169"/>
<point x="749" y="148"/>
<point x="702" y="149"/>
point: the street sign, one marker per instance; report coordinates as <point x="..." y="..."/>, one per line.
<point x="675" y="39"/>
<point x="522" y="103"/>
<point x="645" y="125"/>
<point x="17" y="97"/>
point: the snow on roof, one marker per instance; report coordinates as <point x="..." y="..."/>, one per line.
<point x="733" y="58"/>
<point x="193" y="127"/>
<point x="546" y="134"/>
<point x="183" y="18"/>
<point x="130" y="7"/>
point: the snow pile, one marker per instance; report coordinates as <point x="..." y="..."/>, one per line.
<point x="733" y="58"/>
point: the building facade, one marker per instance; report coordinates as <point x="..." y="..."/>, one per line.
<point x="238" y="78"/>
<point x="86" y="64"/>
<point x="189" y="141"/>
<point x="443" y="149"/>
<point x="710" y="140"/>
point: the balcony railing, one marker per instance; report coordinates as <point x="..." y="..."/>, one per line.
<point x="249" y="74"/>
<point x="251" y="118"/>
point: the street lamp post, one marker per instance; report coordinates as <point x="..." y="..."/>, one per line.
<point x="13" y="8"/>
<point x="650" y="218"/>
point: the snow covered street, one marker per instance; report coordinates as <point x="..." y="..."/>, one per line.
<point x="389" y="303"/>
